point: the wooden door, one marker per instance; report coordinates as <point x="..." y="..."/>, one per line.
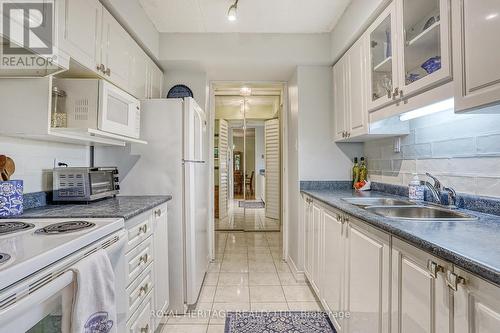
<point x="273" y="168"/>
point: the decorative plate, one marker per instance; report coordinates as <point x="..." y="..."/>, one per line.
<point x="180" y="91"/>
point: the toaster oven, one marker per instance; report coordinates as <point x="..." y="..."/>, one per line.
<point x="85" y="184"/>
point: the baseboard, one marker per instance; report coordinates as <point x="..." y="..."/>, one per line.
<point x="299" y="275"/>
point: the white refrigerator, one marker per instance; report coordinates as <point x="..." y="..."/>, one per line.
<point x="175" y="161"/>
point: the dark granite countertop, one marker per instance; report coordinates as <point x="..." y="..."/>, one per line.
<point x="473" y="246"/>
<point x="125" y="207"/>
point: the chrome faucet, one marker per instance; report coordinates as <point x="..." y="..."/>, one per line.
<point x="452" y="197"/>
<point x="435" y="189"/>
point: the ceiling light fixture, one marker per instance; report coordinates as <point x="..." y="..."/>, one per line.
<point x="231" y="13"/>
<point x="245" y="91"/>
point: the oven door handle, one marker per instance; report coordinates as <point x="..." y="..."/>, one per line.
<point x="19" y="308"/>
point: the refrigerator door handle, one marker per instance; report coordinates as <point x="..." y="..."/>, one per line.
<point x="193" y="161"/>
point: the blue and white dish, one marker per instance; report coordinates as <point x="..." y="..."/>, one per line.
<point x="432" y="65"/>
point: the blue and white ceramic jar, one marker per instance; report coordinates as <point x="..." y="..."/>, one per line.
<point x="11" y="198"/>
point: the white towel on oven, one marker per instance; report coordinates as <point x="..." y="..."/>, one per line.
<point x="94" y="306"/>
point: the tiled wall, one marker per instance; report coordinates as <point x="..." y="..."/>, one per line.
<point x="462" y="150"/>
<point x="35" y="160"/>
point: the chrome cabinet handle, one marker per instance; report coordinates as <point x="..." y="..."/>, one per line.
<point x="143" y="229"/>
<point x="158" y="212"/>
<point x="395" y="94"/>
<point x="144" y="290"/>
<point x="434" y="268"/>
<point x="144" y="259"/>
<point x="145" y="329"/>
<point x="400" y="93"/>
<point x="108" y="71"/>
<point x="389" y="93"/>
<point x="101" y="68"/>
<point x="453" y="280"/>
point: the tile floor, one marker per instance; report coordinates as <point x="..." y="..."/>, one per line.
<point x="239" y="218"/>
<point x="248" y="275"/>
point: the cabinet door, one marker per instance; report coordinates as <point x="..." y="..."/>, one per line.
<point x="156" y="77"/>
<point x="161" y="300"/>
<point x="383" y="59"/>
<point x="476" y="305"/>
<point x="357" y="118"/>
<point x="367" y="278"/>
<point x="340" y="97"/>
<point x="307" y="236"/>
<point x="425" y="42"/>
<point x="332" y="294"/>
<point x="420" y="299"/>
<point x="139" y="73"/>
<point x="80" y="30"/>
<point x="476" y="53"/>
<point x="117" y="51"/>
<point x="316" y="247"/>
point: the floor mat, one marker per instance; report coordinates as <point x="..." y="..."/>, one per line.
<point x="252" y="204"/>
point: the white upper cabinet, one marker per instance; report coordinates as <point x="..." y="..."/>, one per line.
<point x="357" y="117"/>
<point x="340" y="99"/>
<point x="139" y="75"/>
<point x="476" y="303"/>
<point x="476" y="53"/>
<point x="79" y="30"/>
<point x="117" y="51"/>
<point x="424" y="27"/>
<point x="156" y="78"/>
<point x="383" y="63"/>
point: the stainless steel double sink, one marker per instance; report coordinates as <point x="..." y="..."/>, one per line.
<point x="407" y="210"/>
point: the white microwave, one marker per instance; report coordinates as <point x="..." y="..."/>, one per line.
<point x="98" y="104"/>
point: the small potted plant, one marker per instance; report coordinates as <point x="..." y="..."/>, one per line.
<point x="11" y="191"/>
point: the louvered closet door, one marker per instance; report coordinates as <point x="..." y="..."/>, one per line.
<point x="272" y="156"/>
<point x="223" y="168"/>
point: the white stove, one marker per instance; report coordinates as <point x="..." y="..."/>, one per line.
<point x="36" y="256"/>
<point x="28" y="245"/>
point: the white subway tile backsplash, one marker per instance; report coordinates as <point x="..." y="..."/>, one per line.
<point x="462" y="150"/>
<point x="35" y="160"/>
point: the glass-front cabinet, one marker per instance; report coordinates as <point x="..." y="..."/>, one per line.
<point x="425" y="31"/>
<point x="383" y="58"/>
<point x="409" y="47"/>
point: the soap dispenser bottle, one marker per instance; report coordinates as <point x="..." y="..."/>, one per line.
<point x="416" y="189"/>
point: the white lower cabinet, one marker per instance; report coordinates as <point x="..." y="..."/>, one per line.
<point x="421" y="299"/>
<point x="147" y="270"/>
<point x="367" y="277"/>
<point x="332" y="296"/>
<point x="476" y="304"/>
<point x="369" y="281"/>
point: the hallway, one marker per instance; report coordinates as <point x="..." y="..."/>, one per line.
<point x="242" y="219"/>
<point x="248" y="275"/>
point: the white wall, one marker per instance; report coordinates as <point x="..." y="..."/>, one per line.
<point x="252" y="57"/>
<point x="196" y="80"/>
<point x="35" y="160"/>
<point x="356" y="18"/>
<point x="134" y="18"/>
<point x="319" y="157"/>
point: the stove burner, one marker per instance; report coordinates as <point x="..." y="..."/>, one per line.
<point x="4" y="257"/>
<point x="65" y="227"/>
<point x="10" y="227"/>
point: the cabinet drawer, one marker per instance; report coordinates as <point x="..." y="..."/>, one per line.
<point x="138" y="259"/>
<point x="139" y="289"/>
<point x="141" y="321"/>
<point x="139" y="232"/>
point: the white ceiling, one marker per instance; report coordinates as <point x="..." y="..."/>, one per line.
<point x="254" y="16"/>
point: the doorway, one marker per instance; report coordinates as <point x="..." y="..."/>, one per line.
<point x="247" y="157"/>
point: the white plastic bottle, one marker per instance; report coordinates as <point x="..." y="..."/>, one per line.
<point x="416" y="189"/>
